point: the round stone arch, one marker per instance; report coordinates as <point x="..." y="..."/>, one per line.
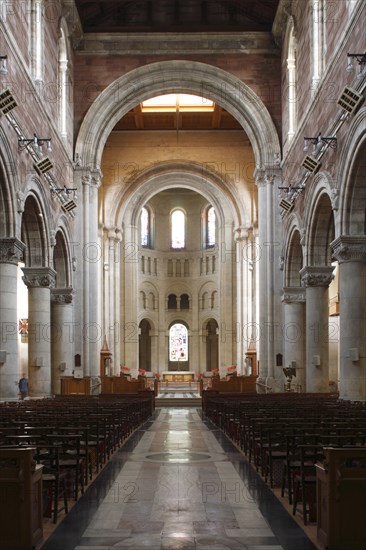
<point x="319" y="222"/>
<point x="351" y="177"/>
<point x="293" y="253"/>
<point x="150" y="182"/>
<point x="34" y="231"/>
<point x="8" y="186"/>
<point x="173" y="77"/>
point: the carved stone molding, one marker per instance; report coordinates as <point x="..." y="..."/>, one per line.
<point x="42" y="277"/>
<point x="11" y="251"/>
<point x="349" y="248"/>
<point x="62" y="295"/>
<point x="316" y="276"/>
<point x="293" y="295"/>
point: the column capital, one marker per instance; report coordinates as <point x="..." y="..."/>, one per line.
<point x="62" y="295"/>
<point x="111" y="233"/>
<point x="91" y="175"/>
<point x="267" y="176"/>
<point x="316" y="275"/>
<point x="119" y="235"/>
<point x="240" y="233"/>
<point x="349" y="248"/>
<point x="293" y="295"/>
<point x="43" y="277"/>
<point x="11" y="251"/>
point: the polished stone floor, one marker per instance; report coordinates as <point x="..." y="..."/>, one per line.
<point x="178" y="483"/>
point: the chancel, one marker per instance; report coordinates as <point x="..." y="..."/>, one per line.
<point x="183" y="274"/>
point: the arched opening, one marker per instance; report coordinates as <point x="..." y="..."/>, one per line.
<point x="60" y="262"/>
<point x="172" y="301"/>
<point x="294" y="262"/>
<point x="322" y="233"/>
<point x="148" y="169"/>
<point x="33" y="234"/>
<point x="4" y="207"/>
<point x="184" y="301"/>
<point x="145" y="345"/>
<point x="178" y="347"/>
<point x="355" y="204"/>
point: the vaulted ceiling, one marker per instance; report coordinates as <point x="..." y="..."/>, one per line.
<point x="177" y="15"/>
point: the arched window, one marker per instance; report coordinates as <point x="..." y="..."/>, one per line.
<point x="211" y="227"/>
<point x="63" y="82"/>
<point x="184" y="301"/>
<point x="178" y="220"/>
<point x="178" y="343"/>
<point x="317" y="41"/>
<point x="36" y="39"/>
<point x="172" y="301"/>
<point x="145" y="227"/>
<point x="3" y="10"/>
<point x="291" y="82"/>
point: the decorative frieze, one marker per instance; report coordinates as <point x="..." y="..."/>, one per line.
<point x="349" y="248"/>
<point x="11" y="251"/>
<point x="62" y="295"/>
<point x="316" y="276"/>
<point x="43" y="277"/>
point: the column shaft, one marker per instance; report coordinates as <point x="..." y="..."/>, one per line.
<point x="62" y="337"/>
<point x="317" y="279"/>
<point x="350" y="251"/>
<point x="39" y="282"/>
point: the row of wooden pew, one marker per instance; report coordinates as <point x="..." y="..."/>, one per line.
<point x="285" y="435"/>
<point x="71" y="437"/>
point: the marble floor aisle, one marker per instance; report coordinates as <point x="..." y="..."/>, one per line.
<point x="178" y="484"/>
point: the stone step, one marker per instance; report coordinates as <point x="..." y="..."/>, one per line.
<point x="178" y="402"/>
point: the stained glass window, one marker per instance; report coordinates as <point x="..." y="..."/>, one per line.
<point x="178" y="343"/>
<point x="178" y="229"/>
<point x="144" y="227"/>
<point x="211" y="227"/>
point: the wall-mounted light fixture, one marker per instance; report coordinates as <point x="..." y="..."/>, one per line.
<point x="65" y="191"/>
<point x="318" y="141"/>
<point x="69" y="205"/>
<point x="43" y="166"/>
<point x="35" y="142"/>
<point x="3" y="64"/>
<point x="7" y="101"/>
<point x="311" y="164"/>
<point x="350" y="99"/>
<point x="361" y="60"/>
<point x="286" y="205"/>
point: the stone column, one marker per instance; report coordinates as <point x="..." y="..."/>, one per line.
<point x="110" y="329"/>
<point x="239" y="236"/>
<point x="227" y="327"/>
<point x="62" y="356"/>
<point x="94" y="332"/>
<point x="294" y="332"/>
<point x="117" y="304"/>
<point x="11" y="252"/>
<point x="316" y="280"/>
<point x="131" y="264"/>
<point x="262" y="348"/>
<point x="39" y="281"/>
<point x="269" y="253"/>
<point x="350" y="251"/>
